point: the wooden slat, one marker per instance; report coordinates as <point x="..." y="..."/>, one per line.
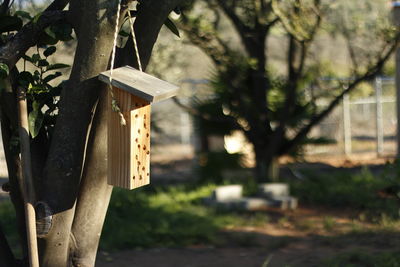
<point x="140" y="84"/>
<point x="140" y="145"/>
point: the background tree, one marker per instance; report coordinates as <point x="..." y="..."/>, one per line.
<point x="68" y="148"/>
<point x="270" y="106"/>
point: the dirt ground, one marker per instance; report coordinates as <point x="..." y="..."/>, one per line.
<point x="305" y="237"/>
<point x="294" y="238"/>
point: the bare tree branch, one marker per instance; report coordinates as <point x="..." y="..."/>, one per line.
<point x="371" y="73"/>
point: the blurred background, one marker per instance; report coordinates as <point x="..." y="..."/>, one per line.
<point x="342" y="179"/>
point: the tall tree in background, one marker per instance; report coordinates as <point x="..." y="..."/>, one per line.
<point x="272" y="109"/>
<point x="68" y="140"/>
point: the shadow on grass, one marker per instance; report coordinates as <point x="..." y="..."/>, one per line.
<point x="165" y="218"/>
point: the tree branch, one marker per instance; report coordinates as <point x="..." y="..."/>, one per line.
<point x="9" y="126"/>
<point x="208" y="41"/>
<point x="371" y="73"/>
<point x="27" y="37"/>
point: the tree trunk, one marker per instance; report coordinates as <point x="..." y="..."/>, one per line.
<point x="77" y="196"/>
<point x="95" y="193"/>
<point x="65" y="160"/>
<point x="263" y="165"/>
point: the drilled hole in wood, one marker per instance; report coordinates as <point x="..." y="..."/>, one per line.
<point x="136" y="116"/>
<point x="133" y="177"/>
<point x="148" y="152"/>
<point x="144" y="116"/>
<point x="136" y="140"/>
<point x="147" y="135"/>
<point x="144" y="125"/>
<point x="144" y="147"/>
<point x="138" y="130"/>
<point x="140" y="177"/>
<point x="143" y="168"/>
<point x="138" y="163"/>
<point x="148" y="174"/>
<point x="136" y="157"/>
<point x="138" y="146"/>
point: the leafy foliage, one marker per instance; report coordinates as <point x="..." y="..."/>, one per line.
<point x="42" y="93"/>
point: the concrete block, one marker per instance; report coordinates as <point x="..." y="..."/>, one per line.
<point x="285" y="202"/>
<point x="251" y="203"/>
<point x="227" y="192"/>
<point x="271" y="190"/>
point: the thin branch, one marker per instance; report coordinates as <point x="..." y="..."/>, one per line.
<point x="208" y="41"/>
<point x="27" y="37"/>
<point x="4" y="7"/>
<point x="229" y="11"/>
<point x="207" y="117"/>
<point x="371" y="73"/>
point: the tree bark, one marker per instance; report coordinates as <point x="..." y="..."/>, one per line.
<point x="94" y="194"/>
<point x="91" y="210"/>
<point x="63" y="168"/>
<point x="9" y="128"/>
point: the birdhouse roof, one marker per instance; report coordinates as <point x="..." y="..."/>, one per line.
<point x="139" y="84"/>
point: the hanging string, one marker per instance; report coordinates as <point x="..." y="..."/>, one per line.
<point x="135" y="46"/>
<point x="114" y="104"/>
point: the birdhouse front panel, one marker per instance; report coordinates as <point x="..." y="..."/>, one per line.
<point x="129" y="145"/>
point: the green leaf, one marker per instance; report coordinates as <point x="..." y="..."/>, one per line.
<point x="57" y="66"/>
<point x="43" y="63"/>
<point x="50" y="32"/>
<point x="49" y="51"/>
<point x="172" y="27"/>
<point x="4" y="70"/>
<point x="27" y="58"/>
<point x="52" y="77"/>
<point x="25" y="78"/>
<point x="62" y="31"/>
<point x="35" y="58"/>
<point x="10" y="23"/>
<point x="37" y="89"/>
<point x="35" y="121"/>
<point x="37" y="17"/>
<point x="123" y="33"/>
<point x="23" y="14"/>
<point x="46" y="39"/>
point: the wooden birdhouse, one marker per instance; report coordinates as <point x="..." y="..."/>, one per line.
<point x="129" y="145"/>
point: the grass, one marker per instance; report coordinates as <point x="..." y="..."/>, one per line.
<point x="328" y="223"/>
<point x="169" y="217"/>
<point x="174" y="216"/>
<point x="7" y="221"/>
<point x="343" y="189"/>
